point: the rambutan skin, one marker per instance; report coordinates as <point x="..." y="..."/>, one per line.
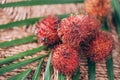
<point x="47" y="30"/>
<point x="98" y="8"/>
<point x="65" y="59"/>
<point x="101" y="47"/>
<point x="77" y="28"/>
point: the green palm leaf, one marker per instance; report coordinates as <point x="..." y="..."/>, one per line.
<point x="61" y="76"/>
<point x="29" y="21"/>
<point x="37" y="71"/>
<point x="116" y="7"/>
<point x="38" y="2"/>
<point x="76" y="76"/>
<point x="105" y="26"/>
<point x="21" y="76"/>
<point x="20" y="23"/>
<point x="110" y="70"/>
<point x="117" y="22"/>
<point x="91" y="70"/>
<point x="21" y="55"/>
<point x="15" y="42"/>
<point x="109" y="62"/>
<point x="19" y="64"/>
<point x="48" y="69"/>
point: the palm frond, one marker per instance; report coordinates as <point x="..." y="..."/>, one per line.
<point x="32" y="38"/>
<point x="29" y="21"/>
<point x="76" y="76"/>
<point x="13" y="66"/>
<point x="20" y="23"/>
<point x="91" y="70"/>
<point x="117" y="23"/>
<point x="21" y="76"/>
<point x="105" y="26"/>
<point x="22" y="54"/>
<point x="38" y="70"/>
<point x="38" y="2"/>
<point x="48" y="69"/>
<point x="110" y="69"/>
<point x="61" y="76"/>
<point x="116" y="7"/>
<point x="15" y="42"/>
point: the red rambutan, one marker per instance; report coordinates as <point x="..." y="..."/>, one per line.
<point x="101" y="47"/>
<point x="77" y="28"/>
<point x="65" y="59"/>
<point x="47" y="30"/>
<point x="98" y="8"/>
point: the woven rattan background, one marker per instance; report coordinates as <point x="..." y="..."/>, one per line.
<point x="19" y="13"/>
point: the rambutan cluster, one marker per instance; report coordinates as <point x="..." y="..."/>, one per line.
<point x="77" y="33"/>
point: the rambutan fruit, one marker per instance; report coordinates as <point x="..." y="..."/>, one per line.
<point x="65" y="59"/>
<point x="47" y="30"/>
<point x="77" y="28"/>
<point x="100" y="48"/>
<point x="98" y="8"/>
